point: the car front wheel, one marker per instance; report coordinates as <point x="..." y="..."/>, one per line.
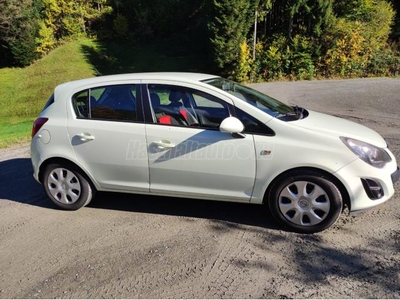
<point x="66" y="187"/>
<point x="305" y="201"/>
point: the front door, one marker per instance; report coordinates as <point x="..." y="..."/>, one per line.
<point x="189" y="156"/>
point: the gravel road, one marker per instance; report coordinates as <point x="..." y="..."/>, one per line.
<point x="132" y="246"/>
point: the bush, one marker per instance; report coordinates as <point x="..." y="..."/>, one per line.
<point x="356" y="42"/>
<point x="346" y="57"/>
<point x="270" y="58"/>
<point x="45" y="40"/>
<point x="243" y="67"/>
<point x="384" y="63"/>
<point x="302" y="65"/>
<point x="286" y="58"/>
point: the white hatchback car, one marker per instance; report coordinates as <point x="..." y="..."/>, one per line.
<point x="201" y="136"/>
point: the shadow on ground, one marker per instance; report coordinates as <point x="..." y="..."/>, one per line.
<point x="18" y="184"/>
<point x="254" y="215"/>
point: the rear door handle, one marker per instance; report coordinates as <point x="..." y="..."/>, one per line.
<point x="164" y="144"/>
<point x="85" y="137"/>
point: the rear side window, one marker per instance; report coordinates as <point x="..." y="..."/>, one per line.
<point x="112" y="103"/>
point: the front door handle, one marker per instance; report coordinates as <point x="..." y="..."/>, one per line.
<point x="164" y="144"/>
<point x="85" y="137"/>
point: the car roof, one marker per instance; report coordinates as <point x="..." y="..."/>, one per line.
<point x="178" y="76"/>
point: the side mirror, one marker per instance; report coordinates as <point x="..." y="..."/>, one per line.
<point x="231" y="125"/>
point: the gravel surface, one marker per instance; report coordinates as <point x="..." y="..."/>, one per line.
<point x="133" y="246"/>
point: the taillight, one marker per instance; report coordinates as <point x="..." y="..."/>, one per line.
<point x="38" y="124"/>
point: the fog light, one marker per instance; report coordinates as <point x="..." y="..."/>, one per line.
<point x="372" y="188"/>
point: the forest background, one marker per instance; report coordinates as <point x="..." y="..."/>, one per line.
<point x="247" y="40"/>
<point x="47" y="42"/>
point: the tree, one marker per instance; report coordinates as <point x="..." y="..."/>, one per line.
<point x="18" y="29"/>
<point x="358" y="37"/>
<point x="292" y="17"/>
<point x="395" y="34"/>
<point x="66" y="18"/>
<point x="230" y="23"/>
<point x="161" y="19"/>
<point x="262" y="7"/>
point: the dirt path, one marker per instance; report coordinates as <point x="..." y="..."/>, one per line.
<point x="131" y="246"/>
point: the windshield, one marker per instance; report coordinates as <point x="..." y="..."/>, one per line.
<point x="263" y="102"/>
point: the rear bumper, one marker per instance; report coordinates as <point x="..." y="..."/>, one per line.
<point x="36" y="161"/>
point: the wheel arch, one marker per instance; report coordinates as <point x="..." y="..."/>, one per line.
<point x="327" y="175"/>
<point x="64" y="162"/>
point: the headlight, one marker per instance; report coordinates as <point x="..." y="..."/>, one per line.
<point x="376" y="157"/>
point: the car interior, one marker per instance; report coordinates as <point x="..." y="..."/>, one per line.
<point x="182" y="110"/>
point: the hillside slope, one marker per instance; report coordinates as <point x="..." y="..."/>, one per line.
<point x="23" y="91"/>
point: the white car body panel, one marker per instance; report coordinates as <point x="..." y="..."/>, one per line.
<point x="200" y="164"/>
<point x="316" y="150"/>
<point x="340" y="127"/>
<point x="117" y="156"/>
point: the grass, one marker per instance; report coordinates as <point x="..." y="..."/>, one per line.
<point x="13" y="133"/>
<point x="24" y="91"/>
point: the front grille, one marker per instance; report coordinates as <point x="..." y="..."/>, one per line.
<point x="372" y="188"/>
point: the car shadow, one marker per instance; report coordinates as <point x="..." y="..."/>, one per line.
<point x="240" y="213"/>
<point x="17" y="184"/>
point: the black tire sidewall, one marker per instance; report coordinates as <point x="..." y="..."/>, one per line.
<point x="86" y="190"/>
<point x="335" y="198"/>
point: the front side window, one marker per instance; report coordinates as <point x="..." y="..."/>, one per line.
<point x="180" y="106"/>
<point x="252" y="125"/>
<point x="263" y="102"/>
<point x="113" y="103"/>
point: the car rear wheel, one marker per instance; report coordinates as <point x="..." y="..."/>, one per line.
<point x="305" y="201"/>
<point x="67" y="187"/>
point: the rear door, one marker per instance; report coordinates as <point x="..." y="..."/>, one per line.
<point x="107" y="134"/>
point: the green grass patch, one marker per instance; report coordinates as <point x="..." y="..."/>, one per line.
<point x="24" y="91"/>
<point x="15" y="131"/>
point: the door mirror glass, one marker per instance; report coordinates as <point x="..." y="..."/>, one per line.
<point x="231" y="125"/>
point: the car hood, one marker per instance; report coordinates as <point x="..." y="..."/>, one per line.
<point x="335" y="126"/>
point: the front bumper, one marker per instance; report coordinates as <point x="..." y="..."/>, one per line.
<point x="396" y="176"/>
<point x="354" y="174"/>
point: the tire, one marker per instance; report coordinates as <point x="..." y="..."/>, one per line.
<point x="305" y="201"/>
<point x="67" y="187"/>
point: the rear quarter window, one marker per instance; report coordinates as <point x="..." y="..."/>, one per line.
<point x="49" y="102"/>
